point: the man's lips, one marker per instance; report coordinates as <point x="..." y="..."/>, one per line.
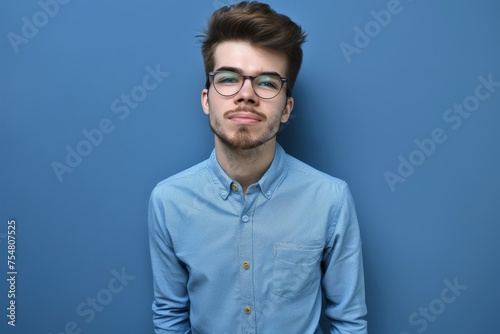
<point x="244" y="117"/>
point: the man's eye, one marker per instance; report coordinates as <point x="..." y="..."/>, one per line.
<point x="268" y="83"/>
<point x="228" y="79"/>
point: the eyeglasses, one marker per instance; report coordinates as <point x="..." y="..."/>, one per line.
<point x="229" y="83"/>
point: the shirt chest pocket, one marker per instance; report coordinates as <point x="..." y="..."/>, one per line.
<point x="296" y="270"/>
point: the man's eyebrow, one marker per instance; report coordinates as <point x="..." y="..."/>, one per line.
<point x="239" y="71"/>
<point x="228" y="68"/>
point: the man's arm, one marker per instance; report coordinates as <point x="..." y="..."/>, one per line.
<point x="171" y="301"/>
<point x="343" y="282"/>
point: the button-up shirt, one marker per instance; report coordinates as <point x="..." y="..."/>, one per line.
<point x="225" y="262"/>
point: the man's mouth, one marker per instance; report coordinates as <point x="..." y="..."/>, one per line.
<point x="245" y="118"/>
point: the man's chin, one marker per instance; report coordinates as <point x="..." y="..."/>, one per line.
<point x="241" y="140"/>
<point x="240" y="144"/>
<point x="243" y="143"/>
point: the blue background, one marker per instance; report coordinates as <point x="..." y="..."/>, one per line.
<point x="354" y="117"/>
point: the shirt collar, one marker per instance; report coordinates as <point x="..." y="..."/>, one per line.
<point x="267" y="183"/>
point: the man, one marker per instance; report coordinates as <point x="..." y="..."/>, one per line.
<point x="250" y="240"/>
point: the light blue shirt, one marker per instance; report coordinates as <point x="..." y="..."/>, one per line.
<point x="224" y="263"/>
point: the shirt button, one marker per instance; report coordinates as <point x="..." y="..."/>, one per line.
<point x="247" y="310"/>
<point x="234" y="186"/>
<point x="245" y="265"/>
<point x="245" y="219"/>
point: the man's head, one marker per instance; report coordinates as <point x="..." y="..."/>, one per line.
<point x="252" y="57"/>
<point x="259" y="25"/>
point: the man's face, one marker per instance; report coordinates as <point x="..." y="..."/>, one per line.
<point x="245" y="121"/>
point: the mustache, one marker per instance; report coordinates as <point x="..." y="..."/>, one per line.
<point x="248" y="109"/>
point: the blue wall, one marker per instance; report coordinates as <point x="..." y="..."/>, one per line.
<point x="100" y="101"/>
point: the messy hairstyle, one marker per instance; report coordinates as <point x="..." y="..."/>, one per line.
<point x="261" y="26"/>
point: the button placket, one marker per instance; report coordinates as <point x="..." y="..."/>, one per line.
<point x="247" y="293"/>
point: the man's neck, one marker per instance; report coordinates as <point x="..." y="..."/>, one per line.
<point x="245" y="166"/>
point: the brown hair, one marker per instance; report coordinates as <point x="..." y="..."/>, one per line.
<point x="261" y="26"/>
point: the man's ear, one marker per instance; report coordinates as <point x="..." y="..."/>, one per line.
<point x="285" y="115"/>
<point x="204" y="101"/>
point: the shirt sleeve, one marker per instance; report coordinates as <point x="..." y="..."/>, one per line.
<point x="171" y="301"/>
<point x="343" y="281"/>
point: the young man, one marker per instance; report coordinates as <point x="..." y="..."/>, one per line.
<point x="250" y="240"/>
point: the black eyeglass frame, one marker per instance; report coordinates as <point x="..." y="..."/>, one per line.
<point x="211" y="76"/>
